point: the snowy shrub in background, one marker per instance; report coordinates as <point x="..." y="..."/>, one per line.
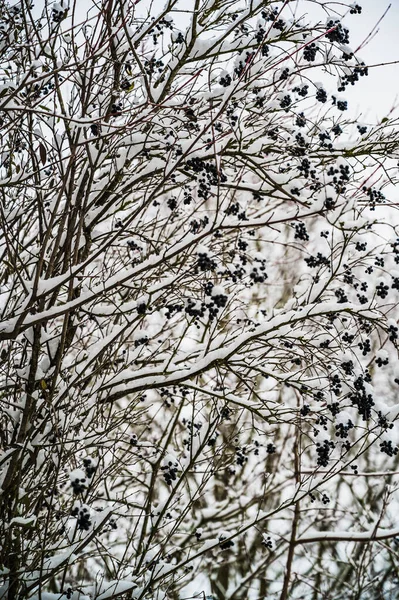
<point x="198" y="295"/>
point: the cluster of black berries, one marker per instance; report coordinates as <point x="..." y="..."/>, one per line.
<point x="83" y="518"/>
<point x="349" y="278"/>
<point x="336" y="385"/>
<point x="267" y="542"/>
<point x="342" y="429"/>
<point x="339" y="34"/>
<point x="395" y="250"/>
<point x="36" y="91"/>
<point x="58" y="14"/>
<point x="241" y="457"/>
<point x="393" y="333"/>
<point x="230" y="113"/>
<point x="329" y="203"/>
<point x="90" y="467"/>
<point x="197" y="225"/>
<point x="360" y="398"/>
<point x="218" y="300"/>
<point x="362" y="298"/>
<point x="337" y="130"/>
<point x="285" y="102"/>
<point x="301" y="233"/>
<point x="141" y="307"/>
<point x="132" y="245"/>
<point x="301" y="91"/>
<point x="225" y="414"/>
<point x="340" y="104"/>
<point x="210" y="175"/>
<point x="95" y="129"/>
<point x="388" y="448"/>
<point x="341" y="296"/>
<point x="270" y="15"/>
<point x="79" y="485"/>
<point x="284" y="74"/>
<point x="382" y="290"/>
<point x="235" y="275"/>
<point x="381" y="361"/>
<point x="317" y="261"/>
<point x="205" y="262"/>
<point x="239" y="69"/>
<point x="172" y="203"/>
<point x="211" y="441"/>
<point x="235" y="210"/>
<point x="351" y="78"/>
<point x="321" y="95"/>
<point x="375" y="196"/>
<point x="116" y="108"/>
<point x="242" y="244"/>
<point x="347" y="367"/>
<point x="142" y="341"/>
<point x="365" y="346"/>
<point x="258" y="274"/>
<point x="325" y="140"/>
<point x="68" y="593"/>
<point x="225" y="81"/>
<point x="187" y="197"/>
<point x="158" y="29"/>
<point x="225" y="544"/>
<point x="271" y="448"/>
<point x="310" y="52"/>
<point x="172" y="309"/>
<point x="323" y="452"/>
<point x="300" y="140"/>
<point x="355" y="9"/>
<point x="192" y="426"/>
<point x="195" y="308"/>
<point x="383" y="422"/>
<point x="361" y="246"/>
<point x="194" y="429"/>
<point x="347" y="55"/>
<point x="260" y="34"/>
<point x="152" y="65"/>
<point x="300" y="120"/>
<point x="348" y="338"/>
<point x="170" y="472"/>
<point x="323" y="421"/>
<point x="167" y="397"/>
<point x="179" y="39"/>
<point x="304" y="168"/>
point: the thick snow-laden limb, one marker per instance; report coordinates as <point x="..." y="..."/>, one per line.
<point x="129" y="381"/>
<point x="372" y="535"/>
<point x="113" y="589"/>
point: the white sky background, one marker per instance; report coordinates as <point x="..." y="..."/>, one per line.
<point x="374" y="96"/>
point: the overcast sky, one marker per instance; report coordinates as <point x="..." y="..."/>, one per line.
<point x="375" y="95"/>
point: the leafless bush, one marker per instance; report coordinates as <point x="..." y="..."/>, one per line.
<point x="198" y="305"/>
